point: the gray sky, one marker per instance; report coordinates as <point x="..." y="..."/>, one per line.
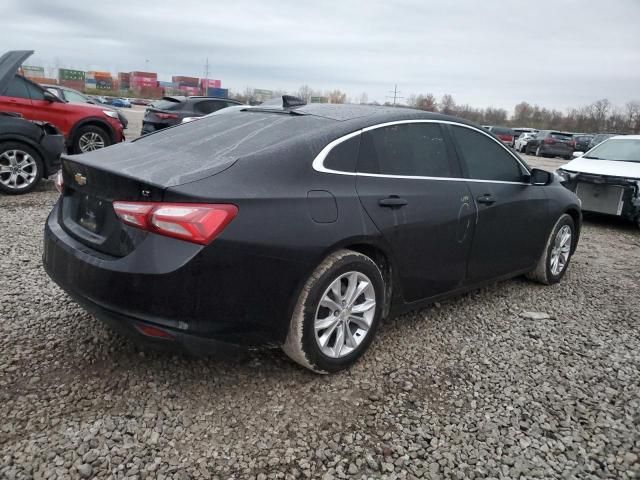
<point x="557" y="53"/>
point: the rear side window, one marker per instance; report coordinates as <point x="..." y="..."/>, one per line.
<point x="166" y="105"/>
<point x="344" y="156"/>
<point x="414" y="149"/>
<point x="209" y="106"/>
<point x="485" y="158"/>
<point x="35" y="92"/>
<point x="17" y="88"/>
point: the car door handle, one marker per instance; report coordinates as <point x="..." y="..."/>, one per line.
<point x="486" y="199"/>
<point x="392" y="201"/>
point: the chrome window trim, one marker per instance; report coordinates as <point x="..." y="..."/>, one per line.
<point x="318" y="162"/>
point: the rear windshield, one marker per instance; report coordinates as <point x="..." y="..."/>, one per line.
<point x="501" y="131"/>
<point x="621" y="149"/>
<point x="583" y="138"/>
<point x="561" y="136"/>
<point x="166" y="104"/>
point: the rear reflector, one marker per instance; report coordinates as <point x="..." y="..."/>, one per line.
<point x="165" y="116"/>
<point x="150" y="331"/>
<point x="59" y="182"/>
<point x="193" y="222"/>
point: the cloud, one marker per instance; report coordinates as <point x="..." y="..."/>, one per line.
<point x="554" y="53"/>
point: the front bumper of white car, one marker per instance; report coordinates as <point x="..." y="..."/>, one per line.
<point x="605" y="194"/>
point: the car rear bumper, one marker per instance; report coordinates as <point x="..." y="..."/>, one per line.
<point x="199" y="295"/>
<point x="560" y="151"/>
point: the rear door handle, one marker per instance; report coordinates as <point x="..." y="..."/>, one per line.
<point x="486" y="199"/>
<point x="392" y="201"/>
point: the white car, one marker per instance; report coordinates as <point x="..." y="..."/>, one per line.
<point x="607" y="177"/>
<point x="521" y="141"/>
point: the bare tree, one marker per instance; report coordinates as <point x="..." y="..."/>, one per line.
<point x="364" y="98"/>
<point x="495" y="116"/>
<point x="599" y="113"/>
<point x="423" y="102"/>
<point x="447" y="105"/>
<point x="336" y="96"/>
<point x="305" y="92"/>
<point x="633" y="116"/>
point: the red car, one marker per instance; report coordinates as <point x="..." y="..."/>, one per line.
<point x="86" y="127"/>
<point x="505" y="135"/>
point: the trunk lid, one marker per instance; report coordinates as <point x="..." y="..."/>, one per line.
<point x="86" y="207"/>
<point x="9" y="64"/>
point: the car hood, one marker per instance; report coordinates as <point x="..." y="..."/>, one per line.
<point x="612" y="168"/>
<point x="9" y="64"/>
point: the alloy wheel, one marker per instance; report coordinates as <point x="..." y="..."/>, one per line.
<point x="561" y="250"/>
<point x="90" y="141"/>
<point x="18" y="169"/>
<point x="345" y="314"/>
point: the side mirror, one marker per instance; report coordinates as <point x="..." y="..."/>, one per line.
<point x="540" y="177"/>
<point x="50" y="97"/>
<point x="577" y="154"/>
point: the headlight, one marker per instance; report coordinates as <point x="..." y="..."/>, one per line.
<point x="110" y="113"/>
<point x="564" y="176"/>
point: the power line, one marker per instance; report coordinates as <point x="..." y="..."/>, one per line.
<point x="395" y="96"/>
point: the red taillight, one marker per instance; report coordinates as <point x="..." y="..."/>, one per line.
<point x="165" y="116"/>
<point x="59" y="181"/>
<point x="549" y="140"/>
<point x="193" y="222"/>
<point x="573" y="143"/>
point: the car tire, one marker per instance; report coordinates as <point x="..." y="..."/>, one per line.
<point x="21" y="168"/>
<point x="547" y="271"/>
<point x="89" y="138"/>
<point x="539" y="152"/>
<point x="345" y="340"/>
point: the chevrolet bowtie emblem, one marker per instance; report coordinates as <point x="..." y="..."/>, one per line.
<point x="80" y="179"/>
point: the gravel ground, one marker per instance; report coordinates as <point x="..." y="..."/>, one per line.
<point x="514" y="380"/>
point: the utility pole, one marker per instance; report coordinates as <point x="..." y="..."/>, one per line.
<point x="206" y="78"/>
<point x="395" y="96"/>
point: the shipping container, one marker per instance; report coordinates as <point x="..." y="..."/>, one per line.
<point x="99" y="73"/>
<point x="67" y="74"/>
<point x="206" y="83"/>
<point x="168" y="84"/>
<point x="75" y="84"/>
<point x="44" y="80"/>
<point x="144" y="74"/>
<point x="31" y="71"/>
<point x="186" y="81"/>
<point x="189" y="90"/>
<point x="218" y="92"/>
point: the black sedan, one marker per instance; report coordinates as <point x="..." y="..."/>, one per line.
<point x="29" y="151"/>
<point x="300" y="226"/>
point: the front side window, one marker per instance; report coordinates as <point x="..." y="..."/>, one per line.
<point x="485" y="158"/>
<point x="413" y="149"/>
<point x="72" y="96"/>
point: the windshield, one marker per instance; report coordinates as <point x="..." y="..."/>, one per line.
<point x="622" y="149"/>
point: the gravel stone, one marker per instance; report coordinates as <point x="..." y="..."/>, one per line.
<point x="515" y="380"/>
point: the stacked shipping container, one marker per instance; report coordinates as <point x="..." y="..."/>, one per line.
<point x="124" y="80"/>
<point x="71" y="78"/>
